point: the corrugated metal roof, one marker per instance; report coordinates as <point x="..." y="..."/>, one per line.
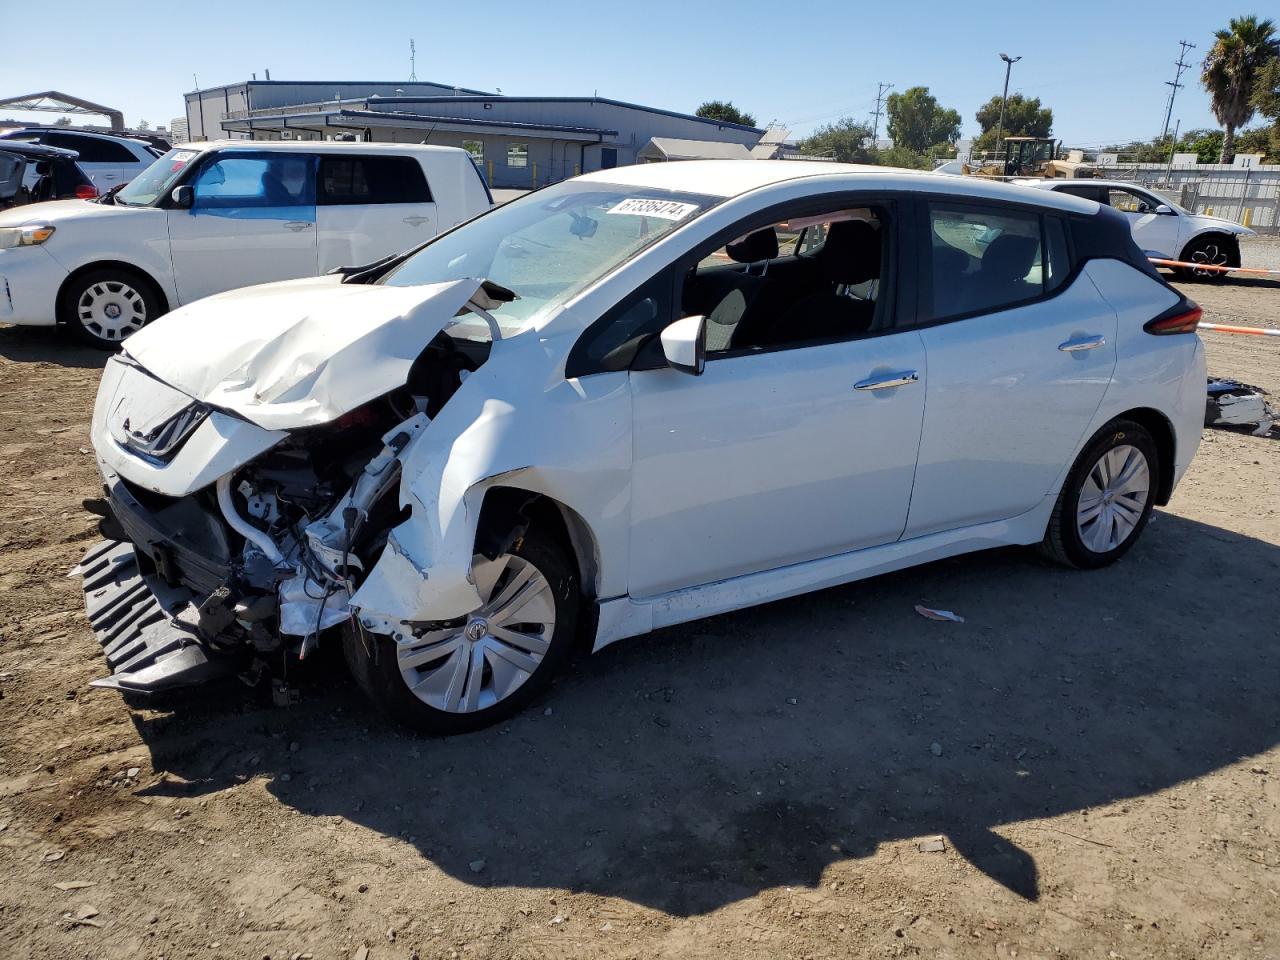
<point x="670" y="148"/>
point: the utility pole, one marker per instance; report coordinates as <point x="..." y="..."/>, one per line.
<point x="1168" y="173"/>
<point x="1004" y="98"/>
<point x="880" y="98"/>
<point x="413" y="54"/>
<point x="1174" y="85"/>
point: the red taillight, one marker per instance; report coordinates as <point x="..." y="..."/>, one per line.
<point x="1184" y="318"/>
<point x="86" y="191"/>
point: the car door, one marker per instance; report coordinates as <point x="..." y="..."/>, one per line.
<point x="1019" y="349"/>
<point x="369" y="206"/>
<point x="1156" y="233"/>
<point x="790" y="446"/>
<point x="252" y="220"/>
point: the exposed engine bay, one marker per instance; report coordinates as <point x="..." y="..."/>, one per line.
<point x="264" y="559"/>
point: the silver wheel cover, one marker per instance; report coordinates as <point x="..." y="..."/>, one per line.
<point x="111" y="309"/>
<point x="474" y="665"/>
<point x="1112" y="499"/>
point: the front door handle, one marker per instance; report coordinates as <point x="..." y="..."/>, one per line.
<point x="900" y="379"/>
<point x="296" y="225"/>
<point x="1082" y="343"/>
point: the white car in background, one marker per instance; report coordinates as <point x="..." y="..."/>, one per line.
<point x="625" y="401"/>
<point x="210" y="217"/>
<point x="1160" y="227"/>
<point x="108" y="159"/>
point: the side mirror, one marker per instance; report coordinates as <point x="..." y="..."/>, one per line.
<point x="684" y="344"/>
<point x="183" y="197"/>
<point x="1164" y="210"/>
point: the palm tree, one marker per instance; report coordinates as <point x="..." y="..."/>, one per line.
<point x="1229" y="71"/>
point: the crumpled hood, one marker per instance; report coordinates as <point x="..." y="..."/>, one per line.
<point x="298" y="353"/>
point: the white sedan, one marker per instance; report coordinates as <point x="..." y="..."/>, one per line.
<point x="1160" y="227"/>
<point x="629" y="400"/>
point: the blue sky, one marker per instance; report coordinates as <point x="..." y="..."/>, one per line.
<point x="1100" y="66"/>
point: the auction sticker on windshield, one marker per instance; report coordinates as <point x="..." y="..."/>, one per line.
<point x="662" y="209"/>
<point x="181" y="158"/>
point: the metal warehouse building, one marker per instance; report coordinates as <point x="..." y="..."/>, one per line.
<point x="518" y="141"/>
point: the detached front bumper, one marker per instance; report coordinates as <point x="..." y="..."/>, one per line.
<point x="148" y="629"/>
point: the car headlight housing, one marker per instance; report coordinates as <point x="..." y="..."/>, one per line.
<point x="28" y="235"/>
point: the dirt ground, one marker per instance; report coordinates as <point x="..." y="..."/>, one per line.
<point x="1100" y="753"/>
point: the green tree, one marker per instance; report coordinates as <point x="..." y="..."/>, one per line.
<point x="1023" y="117"/>
<point x="725" y="112"/>
<point x="1205" y="144"/>
<point x="1230" y="71"/>
<point x="845" y="140"/>
<point x="897" y="156"/>
<point x="1266" y="100"/>
<point x="917" y="121"/>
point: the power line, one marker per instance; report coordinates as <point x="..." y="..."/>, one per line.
<point x="880" y="98"/>
<point x="1175" y="84"/>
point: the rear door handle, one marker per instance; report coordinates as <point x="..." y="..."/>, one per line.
<point x="900" y="379"/>
<point x="1082" y="343"/>
<point x="296" y="225"/>
<point x="415" y="221"/>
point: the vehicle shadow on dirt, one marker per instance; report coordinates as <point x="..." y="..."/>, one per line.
<point x="702" y="764"/>
<point x="48" y="345"/>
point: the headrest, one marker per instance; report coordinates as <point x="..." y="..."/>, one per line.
<point x="851" y="253"/>
<point x="754" y="247"/>
<point x="1009" y="257"/>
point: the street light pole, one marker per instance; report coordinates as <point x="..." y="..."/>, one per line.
<point x="1009" y="62"/>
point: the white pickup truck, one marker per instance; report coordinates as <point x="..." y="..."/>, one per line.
<point x="215" y="216"/>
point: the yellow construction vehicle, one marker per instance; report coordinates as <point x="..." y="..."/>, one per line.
<point x="1032" y="157"/>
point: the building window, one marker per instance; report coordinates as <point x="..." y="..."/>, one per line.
<point x="518" y="155"/>
<point x="475" y="148"/>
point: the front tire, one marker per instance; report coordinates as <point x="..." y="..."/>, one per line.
<point x="487" y="666"/>
<point x="104" y="307"/>
<point x="1218" y="251"/>
<point x="1107" y="499"/>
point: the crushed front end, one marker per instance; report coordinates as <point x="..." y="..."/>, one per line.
<point x="229" y="547"/>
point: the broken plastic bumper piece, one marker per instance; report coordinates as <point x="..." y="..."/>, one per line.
<point x="146" y="627"/>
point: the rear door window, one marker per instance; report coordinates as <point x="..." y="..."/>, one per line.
<point x="346" y="180"/>
<point x="985" y="259"/>
<point x="91" y="149"/>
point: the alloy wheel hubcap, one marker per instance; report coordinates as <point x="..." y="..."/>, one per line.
<point x="111" y="310"/>
<point x="1212" y="255"/>
<point x="1113" y="498"/>
<point x="486" y="658"/>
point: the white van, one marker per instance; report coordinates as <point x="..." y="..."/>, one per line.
<point x="210" y="217"/>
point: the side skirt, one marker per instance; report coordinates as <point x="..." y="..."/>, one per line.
<point x="623" y="617"/>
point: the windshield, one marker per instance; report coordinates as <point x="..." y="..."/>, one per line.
<point x="552" y="244"/>
<point x="155" y="181"/>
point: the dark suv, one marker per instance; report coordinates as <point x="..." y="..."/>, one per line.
<point x="32" y="172"/>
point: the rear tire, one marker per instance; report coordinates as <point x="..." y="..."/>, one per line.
<point x="1107" y="499"/>
<point x="104" y="307"/>
<point x="542" y="581"/>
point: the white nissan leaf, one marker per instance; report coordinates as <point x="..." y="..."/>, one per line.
<point x="629" y="400"/>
